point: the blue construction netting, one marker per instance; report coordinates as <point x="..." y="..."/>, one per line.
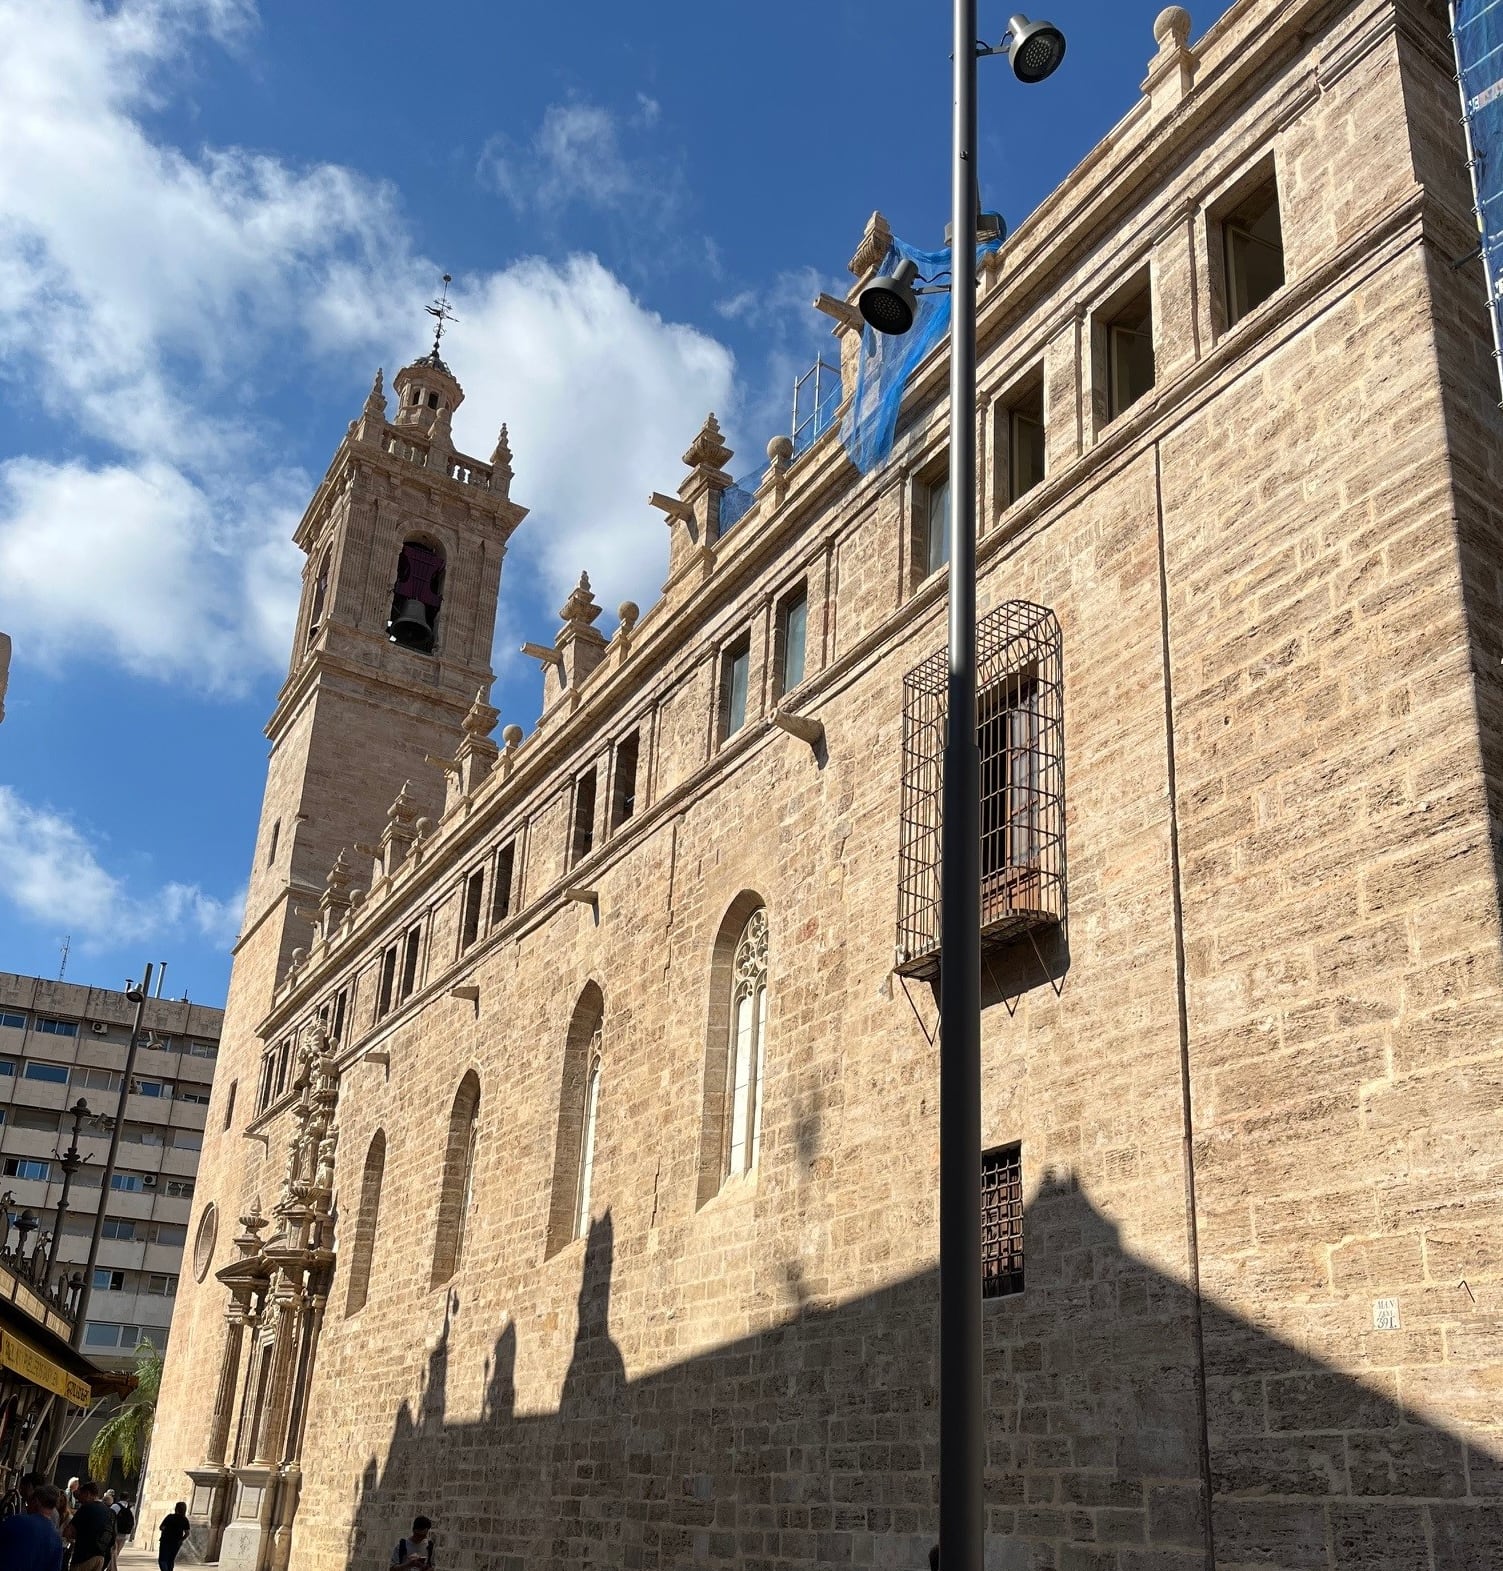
<point x="1478" y="29"/>
<point x="871" y="422"/>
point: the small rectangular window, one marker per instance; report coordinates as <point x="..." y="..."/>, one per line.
<point x="39" y="1069"/>
<point x="792" y="635"/>
<point x="934" y="525"/>
<point x="624" y="781"/>
<point x="11" y="1021"/>
<point x="1002" y="1221"/>
<point x="96" y="1079"/>
<point x="127" y="1183"/>
<point x="735" y="675"/>
<point x="172" y="1234"/>
<point x="1025" y="442"/>
<point x="187" y="1140"/>
<point x="25" y="1167"/>
<point x="388" y="981"/>
<point x="7" y="1066"/>
<point x="57" y="1027"/>
<point x="161" y="1285"/>
<point x="474" y="897"/>
<point x="193" y="1091"/>
<point x="178" y="1188"/>
<point x="501" y="885"/>
<point x="1129" y="349"/>
<point x="119" y="1230"/>
<point x="582" y="835"/>
<point x="410" y="961"/>
<point x="1254" y="251"/>
<point x="107" y="1281"/>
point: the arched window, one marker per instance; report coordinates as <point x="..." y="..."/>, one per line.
<point x="363" y="1245"/>
<point x="417" y="596"/>
<point x="320" y="594"/>
<point x="735" y="1047"/>
<point x="458" y="1192"/>
<point x="578" y="1120"/>
<point x="746" y="1047"/>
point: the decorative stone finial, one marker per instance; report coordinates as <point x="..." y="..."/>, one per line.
<point x="708" y="448"/>
<point x="512" y="736"/>
<point x="403" y="809"/>
<point x="501" y="453"/>
<point x="480" y="719"/>
<point x="875" y="244"/>
<point x="340" y="875"/>
<point x="780" y="449"/>
<point x="375" y="400"/>
<point x="1171" y="27"/>
<point x="627" y="613"/>
<point x="579" y="610"/>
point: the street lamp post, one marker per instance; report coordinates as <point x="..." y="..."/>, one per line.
<point x="137" y="996"/>
<point x="1034" y="50"/>
<point x="70" y="1161"/>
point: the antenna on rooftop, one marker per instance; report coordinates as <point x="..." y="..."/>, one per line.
<point x="63" y="963"/>
<point x="441" y="313"/>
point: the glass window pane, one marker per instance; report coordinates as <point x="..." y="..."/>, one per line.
<point x="587" y="1154"/>
<point x="795" y="625"/>
<point x="740" y="671"/>
<point x="761" y="1058"/>
<point x="741" y="1073"/>
<point x="937" y="536"/>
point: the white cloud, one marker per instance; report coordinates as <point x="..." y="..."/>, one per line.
<point x="53" y="875"/>
<point x="602" y="396"/>
<point x="576" y="157"/>
<point x="144" y="291"/>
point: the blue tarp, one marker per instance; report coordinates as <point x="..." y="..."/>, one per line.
<point x="871" y="422"/>
<point x="1478" y="26"/>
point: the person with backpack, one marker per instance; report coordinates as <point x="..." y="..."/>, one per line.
<point x="415" y="1552"/>
<point x="125" y="1518"/>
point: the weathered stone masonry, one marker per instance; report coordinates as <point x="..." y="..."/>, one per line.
<point x="1255" y="1077"/>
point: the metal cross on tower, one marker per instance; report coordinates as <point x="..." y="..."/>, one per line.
<point x="441" y="313"/>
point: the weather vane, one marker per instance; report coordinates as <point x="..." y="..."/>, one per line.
<point x="441" y="313"/>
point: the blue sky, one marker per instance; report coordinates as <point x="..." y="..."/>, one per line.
<point x="216" y="221"/>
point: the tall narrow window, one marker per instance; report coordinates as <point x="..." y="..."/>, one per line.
<point x="417" y="596"/>
<point x="587" y="1142"/>
<point x="735" y="677"/>
<point x="320" y="591"/>
<point x="506" y="859"/>
<point x="1254" y="251"/>
<point x="748" y="1035"/>
<point x="1025" y="442"/>
<point x="582" y="836"/>
<point x="578" y="1121"/>
<point x="410" y="950"/>
<point x="341" y="1007"/>
<point x="1002" y="1221"/>
<point x="388" y="981"/>
<point x="474" y="897"/>
<point x="931" y="535"/>
<point x="1008" y="734"/>
<point x="365" y="1224"/>
<point x="229" y="1104"/>
<point x="793" y="627"/>
<point x="456" y="1196"/>
<point x="276" y="835"/>
<point x="1129" y="349"/>
<point x="624" y="781"/>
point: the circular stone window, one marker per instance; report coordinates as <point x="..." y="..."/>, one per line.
<point x="203" y="1242"/>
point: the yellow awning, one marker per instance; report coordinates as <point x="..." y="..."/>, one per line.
<point x="41" y="1371"/>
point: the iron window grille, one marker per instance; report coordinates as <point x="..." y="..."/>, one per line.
<point x="1020" y="731"/>
<point x="1002" y="1221"/>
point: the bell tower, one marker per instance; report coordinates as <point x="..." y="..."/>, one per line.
<point x="404" y="541"/>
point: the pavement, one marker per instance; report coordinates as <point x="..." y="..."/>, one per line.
<point x="137" y="1557"/>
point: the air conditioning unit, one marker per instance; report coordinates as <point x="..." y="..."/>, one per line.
<point x="148" y="1180"/>
<point x="99" y="1027"/>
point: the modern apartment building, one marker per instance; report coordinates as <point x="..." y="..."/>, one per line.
<point x="61" y="1043"/>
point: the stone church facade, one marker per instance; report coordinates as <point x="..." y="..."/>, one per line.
<point x="574" y="1162"/>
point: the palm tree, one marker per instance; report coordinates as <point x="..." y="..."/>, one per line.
<point x="128" y="1429"/>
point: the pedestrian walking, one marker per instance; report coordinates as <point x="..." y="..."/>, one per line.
<point x="29" y="1540"/>
<point x="170" y="1535"/>
<point x="415" y="1552"/>
<point x="125" y="1519"/>
<point x="91" y="1530"/>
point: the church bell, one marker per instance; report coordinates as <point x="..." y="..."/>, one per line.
<point x="409" y="627"/>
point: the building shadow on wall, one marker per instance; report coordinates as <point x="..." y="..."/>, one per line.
<point x="816" y="1443"/>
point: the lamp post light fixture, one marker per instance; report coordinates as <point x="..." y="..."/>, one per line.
<point x="136" y="995"/>
<point x="1034" y="50"/>
<point x="70" y="1161"/>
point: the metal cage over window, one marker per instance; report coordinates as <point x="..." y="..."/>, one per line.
<point x="1020" y="730"/>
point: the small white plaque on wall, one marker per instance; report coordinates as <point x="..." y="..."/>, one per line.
<point x="1385" y="1314"/>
